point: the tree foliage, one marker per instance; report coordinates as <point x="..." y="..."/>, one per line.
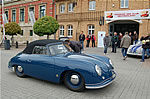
<point x="12" y="28"/>
<point x="47" y="25"/>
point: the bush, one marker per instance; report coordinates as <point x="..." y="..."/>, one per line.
<point x="12" y="28"/>
<point x="47" y="25"/>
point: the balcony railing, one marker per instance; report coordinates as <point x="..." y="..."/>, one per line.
<point x="85" y="16"/>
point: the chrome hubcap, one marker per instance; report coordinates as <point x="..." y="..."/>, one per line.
<point x="74" y="79"/>
<point x="19" y="68"/>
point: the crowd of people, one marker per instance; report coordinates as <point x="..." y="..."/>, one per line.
<point x="125" y="41"/>
<point x="116" y="41"/>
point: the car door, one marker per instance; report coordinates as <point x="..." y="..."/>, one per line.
<point x="40" y="64"/>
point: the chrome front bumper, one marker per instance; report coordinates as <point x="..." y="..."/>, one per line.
<point x="12" y="69"/>
<point x="102" y="84"/>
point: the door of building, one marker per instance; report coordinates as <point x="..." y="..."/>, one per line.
<point x="126" y="28"/>
<point x="101" y="35"/>
<point x="123" y="26"/>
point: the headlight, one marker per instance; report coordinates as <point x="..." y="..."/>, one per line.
<point x="111" y="63"/>
<point x="98" y="70"/>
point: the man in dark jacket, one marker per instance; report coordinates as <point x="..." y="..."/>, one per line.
<point x="146" y="46"/>
<point x="114" y="42"/>
<point x="81" y="39"/>
<point x="135" y="37"/>
<point x="75" y="45"/>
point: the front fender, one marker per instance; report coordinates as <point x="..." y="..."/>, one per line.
<point x="86" y="69"/>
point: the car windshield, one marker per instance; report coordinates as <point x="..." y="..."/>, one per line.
<point x="58" y="49"/>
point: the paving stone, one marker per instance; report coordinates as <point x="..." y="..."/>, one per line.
<point x="132" y="81"/>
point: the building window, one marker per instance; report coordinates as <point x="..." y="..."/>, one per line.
<point x="21" y="15"/>
<point x="70" y="7"/>
<point x="42" y="11"/>
<point x="62" y="8"/>
<point x="31" y="9"/>
<point x="91" y="29"/>
<point x="70" y="31"/>
<point x="6" y="13"/>
<point x="61" y="32"/>
<point x="92" y="5"/>
<point x="124" y="3"/>
<point x="31" y="32"/>
<point x="13" y="15"/>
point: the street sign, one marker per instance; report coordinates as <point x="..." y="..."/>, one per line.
<point x="128" y="14"/>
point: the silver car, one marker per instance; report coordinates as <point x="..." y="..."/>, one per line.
<point x="135" y="49"/>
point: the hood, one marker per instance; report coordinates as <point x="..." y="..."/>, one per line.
<point x="89" y="58"/>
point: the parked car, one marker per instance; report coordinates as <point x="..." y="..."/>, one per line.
<point x="136" y="49"/>
<point x="51" y="60"/>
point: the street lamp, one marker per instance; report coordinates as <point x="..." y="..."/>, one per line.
<point x="100" y="21"/>
<point x="3" y="20"/>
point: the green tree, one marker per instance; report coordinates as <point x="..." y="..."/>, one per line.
<point x="47" y="25"/>
<point x="12" y="29"/>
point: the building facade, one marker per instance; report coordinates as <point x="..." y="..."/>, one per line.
<point x="18" y="11"/>
<point x="92" y="16"/>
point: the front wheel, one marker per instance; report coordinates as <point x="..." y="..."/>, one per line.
<point x="19" y="71"/>
<point x="74" y="81"/>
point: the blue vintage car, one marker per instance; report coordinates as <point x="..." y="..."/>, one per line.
<point x="53" y="61"/>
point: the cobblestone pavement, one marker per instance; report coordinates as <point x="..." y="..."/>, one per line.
<point x="132" y="82"/>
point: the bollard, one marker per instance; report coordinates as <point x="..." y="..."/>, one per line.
<point x="27" y="43"/>
<point x="7" y="44"/>
<point x="16" y="44"/>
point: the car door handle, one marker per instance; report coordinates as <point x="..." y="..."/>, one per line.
<point x="29" y="60"/>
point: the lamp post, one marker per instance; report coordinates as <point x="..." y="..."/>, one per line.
<point x="3" y="18"/>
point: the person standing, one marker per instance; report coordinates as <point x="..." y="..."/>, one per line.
<point x="75" y="45"/>
<point x="93" y="38"/>
<point x="114" y="41"/>
<point x="125" y="43"/>
<point x="119" y="39"/>
<point x="130" y="34"/>
<point x="106" y="43"/>
<point x="145" y="46"/>
<point x="81" y="39"/>
<point x="135" y="37"/>
<point x="88" y="38"/>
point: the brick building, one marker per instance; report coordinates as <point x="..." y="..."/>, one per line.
<point x="0" y="13"/>
<point x="18" y="11"/>
<point x="92" y="16"/>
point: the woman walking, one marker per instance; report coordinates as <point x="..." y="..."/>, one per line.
<point x="93" y="38"/>
<point x="88" y="38"/>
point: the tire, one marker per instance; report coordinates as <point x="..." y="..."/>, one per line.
<point x="74" y="84"/>
<point x="19" y="73"/>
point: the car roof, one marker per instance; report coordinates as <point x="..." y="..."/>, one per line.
<point x="29" y="48"/>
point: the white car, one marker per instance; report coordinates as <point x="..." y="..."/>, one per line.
<point x="135" y="49"/>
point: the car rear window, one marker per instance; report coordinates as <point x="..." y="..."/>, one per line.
<point x="39" y="50"/>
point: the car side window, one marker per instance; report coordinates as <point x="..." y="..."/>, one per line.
<point x="57" y="49"/>
<point x="40" y="50"/>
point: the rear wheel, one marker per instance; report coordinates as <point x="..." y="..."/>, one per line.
<point x="19" y="71"/>
<point x="74" y="81"/>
